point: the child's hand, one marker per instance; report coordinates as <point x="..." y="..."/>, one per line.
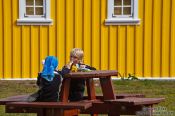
<point x="69" y="64"/>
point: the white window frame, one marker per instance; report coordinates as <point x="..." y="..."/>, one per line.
<point x="122" y="19"/>
<point x="32" y="19"/>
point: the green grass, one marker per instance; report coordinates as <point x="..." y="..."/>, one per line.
<point x="164" y="89"/>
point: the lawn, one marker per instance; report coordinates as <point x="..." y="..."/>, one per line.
<point x="164" y="89"/>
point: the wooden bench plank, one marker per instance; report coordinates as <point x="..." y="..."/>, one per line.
<point x="17" y="98"/>
<point x="100" y="107"/>
<point x="136" y="101"/>
<point x="20" y="98"/>
<point x="119" y="96"/>
<point x="69" y="105"/>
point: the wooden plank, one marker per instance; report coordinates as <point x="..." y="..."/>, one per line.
<point x="165" y="42"/>
<point x="147" y="42"/>
<point x="119" y="96"/>
<point x="136" y="101"/>
<point x="65" y="90"/>
<point x="100" y="107"/>
<point x="104" y="35"/>
<point x="92" y="74"/>
<point x="87" y="32"/>
<point x="3" y="101"/>
<point x="96" y="34"/>
<point x="90" y="89"/>
<point x="107" y="88"/>
<point x="60" y="105"/>
<point x="44" y="112"/>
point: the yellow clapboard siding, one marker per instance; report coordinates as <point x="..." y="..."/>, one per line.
<point x="26" y="50"/>
<point x="78" y="26"/>
<point x="122" y="50"/>
<point x="41" y="54"/>
<point x="146" y="50"/>
<point x="61" y="33"/>
<point x="104" y="38"/>
<point x="34" y="51"/>
<point x="139" y="41"/>
<point x="172" y="48"/>
<point x="52" y="33"/>
<point x="69" y="27"/>
<point x="1" y="42"/>
<point x="148" y="39"/>
<point x="44" y="47"/>
<point x="165" y="41"/>
<point x="7" y="39"/>
<point x="96" y="33"/>
<point x="130" y="53"/>
<point x="156" y="37"/>
<point x="87" y="31"/>
<point x="112" y="48"/>
<point x="17" y="48"/>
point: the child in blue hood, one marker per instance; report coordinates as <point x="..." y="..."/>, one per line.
<point x="49" y="81"/>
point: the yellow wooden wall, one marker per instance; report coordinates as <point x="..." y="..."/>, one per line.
<point x="144" y="50"/>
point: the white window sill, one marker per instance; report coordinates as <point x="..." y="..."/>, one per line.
<point x="34" y="21"/>
<point x="122" y="21"/>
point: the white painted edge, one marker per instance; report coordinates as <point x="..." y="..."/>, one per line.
<point x="34" y="21"/>
<point x="122" y="21"/>
<point x="113" y="78"/>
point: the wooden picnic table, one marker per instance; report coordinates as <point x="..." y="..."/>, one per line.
<point x="105" y="80"/>
<point x="44" y="109"/>
<point x="108" y="103"/>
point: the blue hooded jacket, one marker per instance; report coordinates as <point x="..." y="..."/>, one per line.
<point x="50" y="65"/>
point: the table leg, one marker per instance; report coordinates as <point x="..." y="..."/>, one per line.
<point x="72" y="112"/>
<point x="45" y="112"/>
<point x="40" y="112"/>
<point x="107" y="88"/>
<point x="150" y="110"/>
<point x="64" y="94"/>
<point x="113" y="114"/>
<point x="90" y="89"/>
<point x="58" y="112"/>
<point x="94" y="114"/>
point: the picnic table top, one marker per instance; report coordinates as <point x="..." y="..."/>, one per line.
<point x="93" y="74"/>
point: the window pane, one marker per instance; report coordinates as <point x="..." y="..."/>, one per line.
<point x="29" y="2"/>
<point x="127" y="2"/>
<point x="39" y="10"/>
<point x="39" y="2"/>
<point x="127" y="10"/>
<point x="117" y="11"/>
<point x="117" y="2"/>
<point x="29" y="11"/>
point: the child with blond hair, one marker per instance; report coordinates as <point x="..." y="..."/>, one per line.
<point x="77" y="86"/>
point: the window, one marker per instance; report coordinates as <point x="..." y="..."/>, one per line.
<point x="34" y="12"/>
<point x="122" y="12"/>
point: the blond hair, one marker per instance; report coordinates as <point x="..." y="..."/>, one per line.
<point x="77" y="52"/>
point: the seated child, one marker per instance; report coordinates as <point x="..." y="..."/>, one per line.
<point x="77" y="86"/>
<point x="49" y="81"/>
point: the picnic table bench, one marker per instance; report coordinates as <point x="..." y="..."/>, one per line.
<point x="108" y="103"/>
